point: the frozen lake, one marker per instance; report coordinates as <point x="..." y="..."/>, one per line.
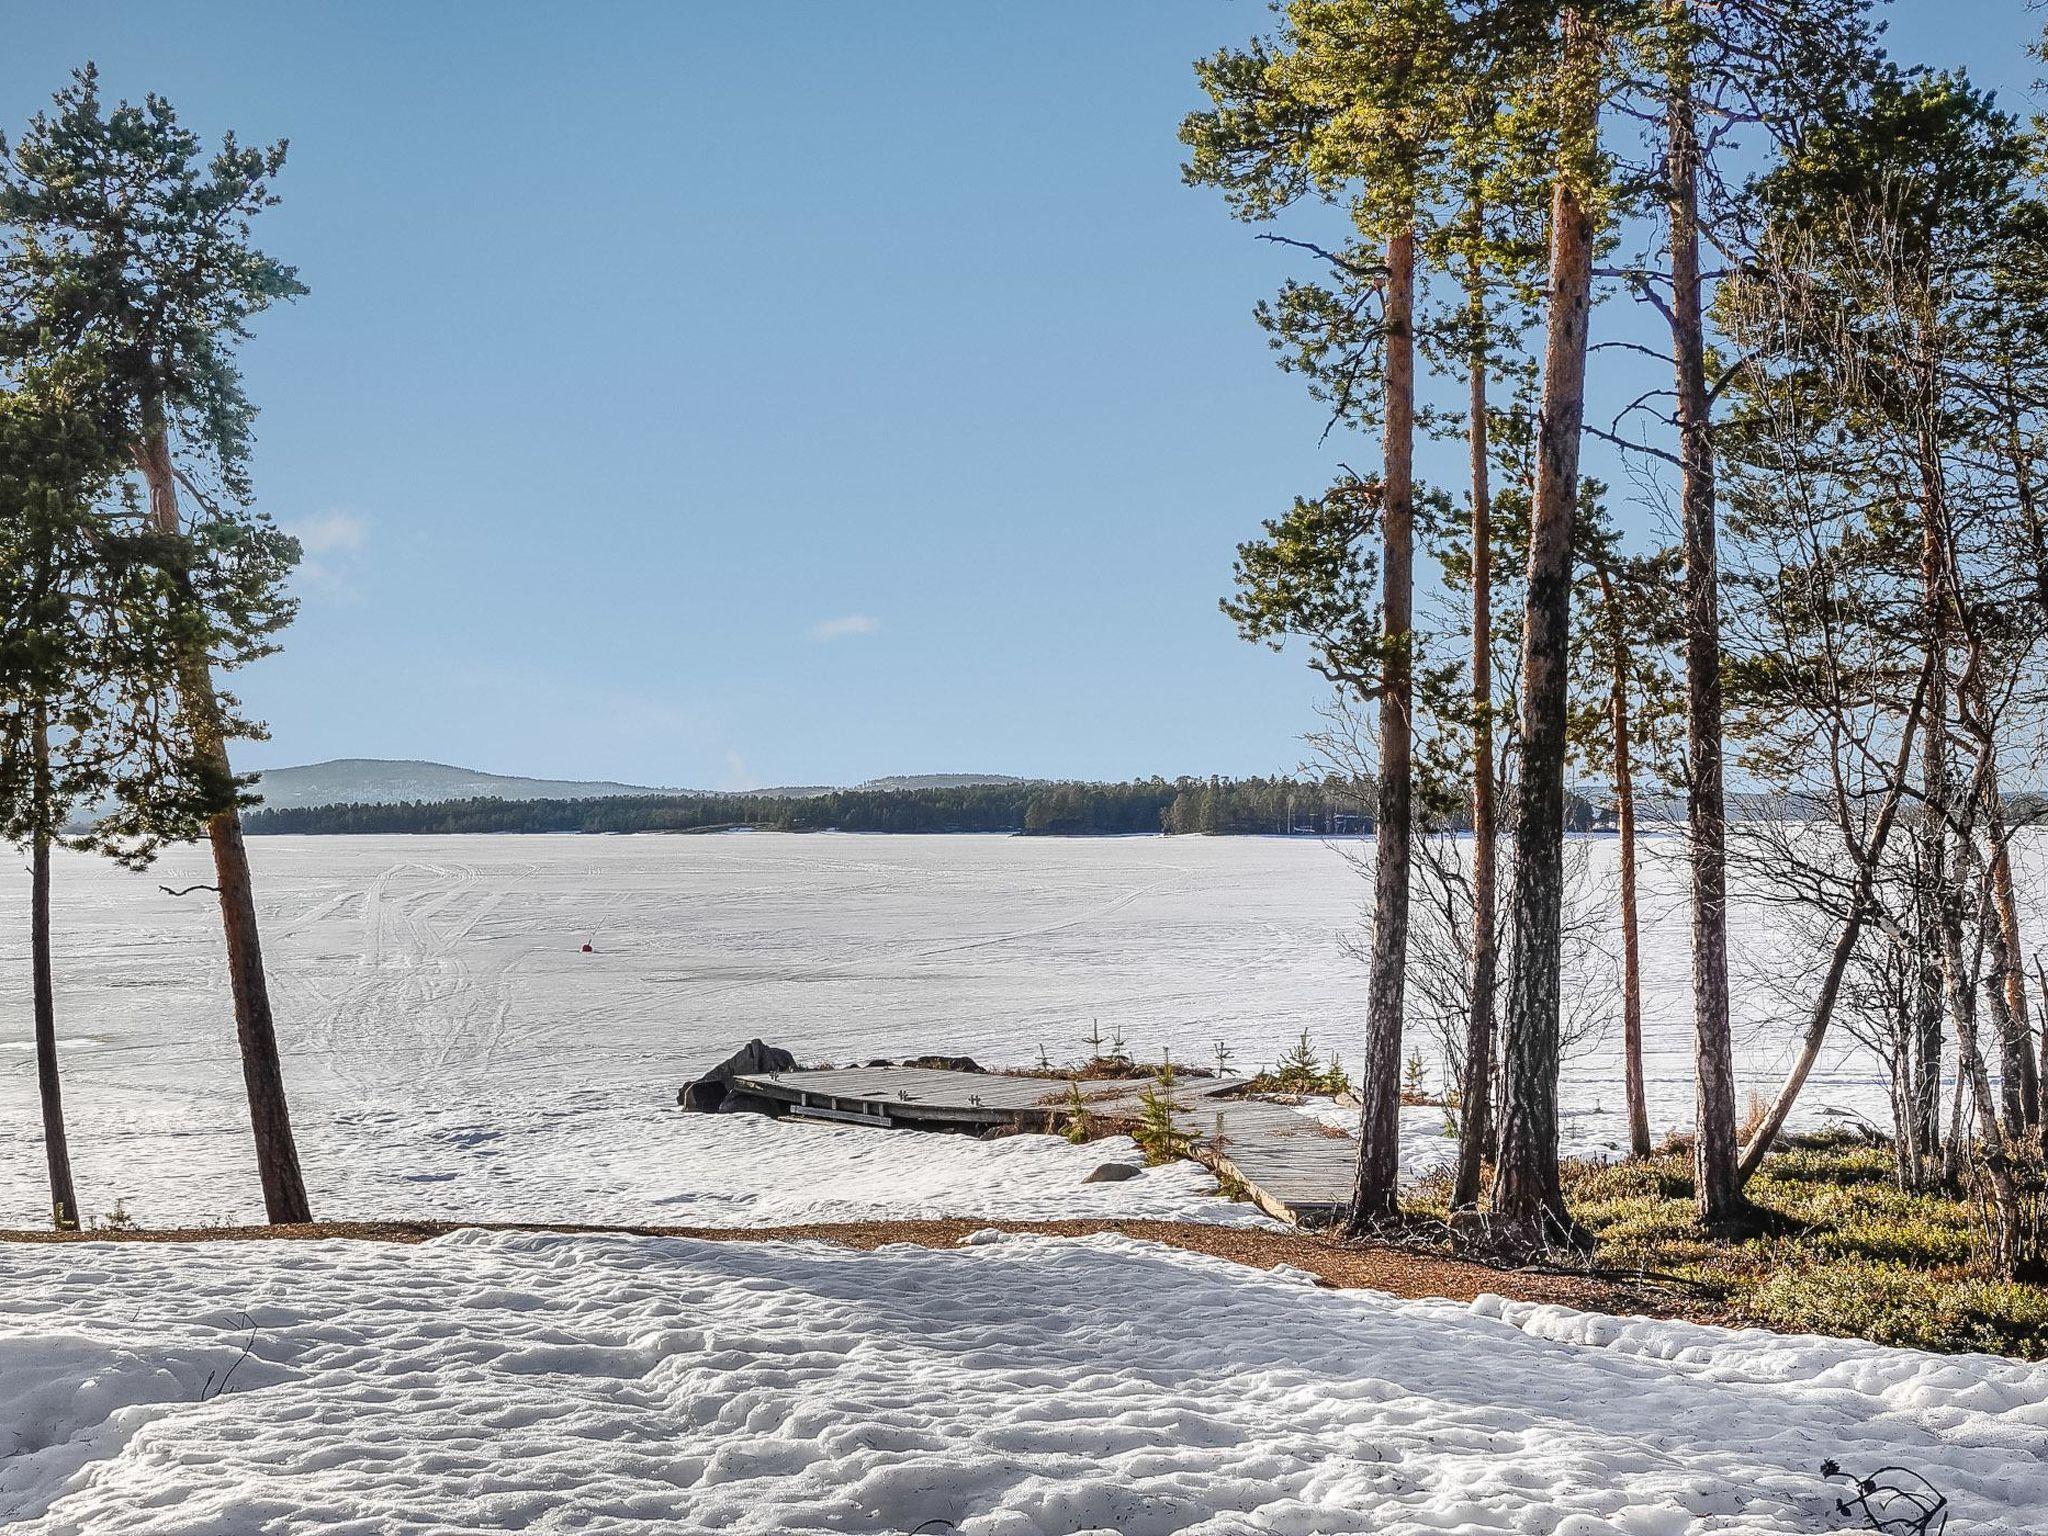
<point x="450" y="1051"/>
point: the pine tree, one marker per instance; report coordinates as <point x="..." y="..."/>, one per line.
<point x="93" y="605"/>
<point x="52" y="465"/>
<point x="1887" y="455"/>
<point x="1707" y="70"/>
<point x="1351" y="103"/>
<point x="1492" y="247"/>
<point x="142" y="297"/>
<point x="1571" y="61"/>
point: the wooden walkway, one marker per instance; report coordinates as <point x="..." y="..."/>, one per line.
<point x="1291" y="1166"/>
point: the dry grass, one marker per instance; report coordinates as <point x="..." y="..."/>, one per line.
<point x="1835" y="1247"/>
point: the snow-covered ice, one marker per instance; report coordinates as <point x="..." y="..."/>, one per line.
<point x="450" y="1051"/>
<point x="494" y="1381"/>
<point x="1429" y="1145"/>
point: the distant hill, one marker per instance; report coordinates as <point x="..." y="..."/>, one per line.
<point x="379" y="781"/>
<point x="383" y="781"/>
<point x="929" y="781"/>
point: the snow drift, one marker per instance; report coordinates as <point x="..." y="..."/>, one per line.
<point x="489" y="1382"/>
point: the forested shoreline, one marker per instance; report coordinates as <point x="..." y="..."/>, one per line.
<point x="1220" y="807"/>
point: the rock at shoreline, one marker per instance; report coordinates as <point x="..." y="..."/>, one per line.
<point x="713" y="1090"/>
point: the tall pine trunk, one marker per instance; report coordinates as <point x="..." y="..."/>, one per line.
<point x="56" y="1145"/>
<point x="1476" y="1093"/>
<point x="277" y="1157"/>
<point x="1716" y="1175"/>
<point x="1375" y="1191"/>
<point x="1633" y="1086"/>
<point x="1528" y="1192"/>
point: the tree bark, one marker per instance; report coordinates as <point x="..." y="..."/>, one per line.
<point x="1631" y="952"/>
<point x="2041" y="1074"/>
<point x="2012" y="1238"/>
<point x="2018" y="1071"/>
<point x="2011" y="413"/>
<point x="56" y="1145"/>
<point x="277" y="1157"/>
<point x="1528" y="1192"/>
<point x="1716" y="1180"/>
<point x="1927" y="1040"/>
<point x="1375" y="1193"/>
<point x="1476" y="1093"/>
<point x="1933" y="914"/>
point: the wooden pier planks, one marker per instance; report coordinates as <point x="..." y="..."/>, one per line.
<point x="1291" y="1166"/>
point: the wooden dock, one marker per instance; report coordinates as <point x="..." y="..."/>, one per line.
<point x="1290" y="1165"/>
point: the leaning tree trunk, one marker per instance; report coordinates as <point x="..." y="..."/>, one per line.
<point x="1375" y="1191"/>
<point x="56" y="1146"/>
<point x="1528" y="1192"/>
<point x="2005" y="988"/>
<point x="2012" y="1234"/>
<point x="1476" y="1094"/>
<point x="1716" y="1180"/>
<point x="277" y="1156"/>
<point x="1860" y="901"/>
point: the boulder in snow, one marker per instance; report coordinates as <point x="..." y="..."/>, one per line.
<point x="713" y="1090"/>
<point x="1113" y="1173"/>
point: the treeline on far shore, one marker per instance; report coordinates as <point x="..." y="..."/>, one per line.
<point x="1188" y="806"/>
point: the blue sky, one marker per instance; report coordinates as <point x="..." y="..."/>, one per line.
<point x="731" y="394"/>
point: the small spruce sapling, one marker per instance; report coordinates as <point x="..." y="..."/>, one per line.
<point x="1161" y="1140"/>
<point x="1414" y="1090"/>
<point x="1078" y="1129"/>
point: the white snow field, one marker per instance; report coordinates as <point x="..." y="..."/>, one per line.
<point x="451" y="1052"/>
<point x="496" y="1381"/>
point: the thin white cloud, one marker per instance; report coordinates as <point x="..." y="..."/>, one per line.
<point x="330" y="533"/>
<point x="737" y="774"/>
<point x="330" y="544"/>
<point x="842" y="628"/>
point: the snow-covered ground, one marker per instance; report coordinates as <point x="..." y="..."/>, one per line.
<point x="450" y="1051"/>
<point x="1428" y="1145"/>
<point x="492" y="1382"/>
